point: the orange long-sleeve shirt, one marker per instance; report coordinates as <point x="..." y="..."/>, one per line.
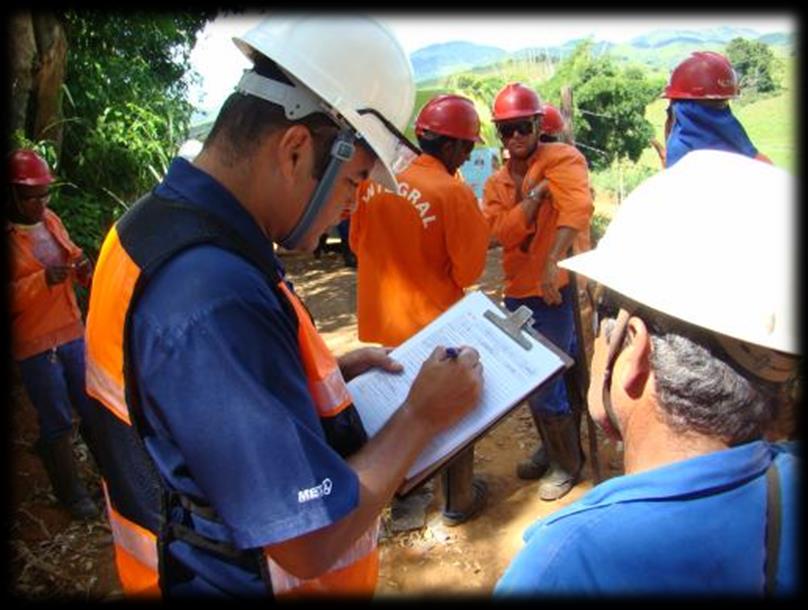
<point x="42" y="316"/>
<point x="566" y="172"/>
<point x="417" y="250"/>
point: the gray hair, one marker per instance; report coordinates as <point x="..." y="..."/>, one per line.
<point x="699" y="390"/>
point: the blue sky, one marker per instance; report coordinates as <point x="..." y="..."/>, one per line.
<point x="219" y="63"/>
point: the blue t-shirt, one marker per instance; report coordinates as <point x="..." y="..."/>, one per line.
<point x="696" y="527"/>
<point x="230" y="421"/>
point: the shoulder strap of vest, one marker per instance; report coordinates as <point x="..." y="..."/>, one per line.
<point x="155" y="229"/>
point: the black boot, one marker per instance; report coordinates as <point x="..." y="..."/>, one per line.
<point x="347" y="255"/>
<point x="322" y="245"/>
<point x="566" y="458"/>
<point x="538" y="463"/>
<point x="57" y="456"/>
<point x="464" y="496"/>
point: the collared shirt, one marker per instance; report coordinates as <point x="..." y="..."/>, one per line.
<point x="231" y="421"/>
<point x="694" y="527"/>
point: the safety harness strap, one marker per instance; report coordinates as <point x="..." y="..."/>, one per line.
<point x="773" y="503"/>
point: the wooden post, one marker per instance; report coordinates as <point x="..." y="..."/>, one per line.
<point x="583" y="307"/>
<point x="567" y="113"/>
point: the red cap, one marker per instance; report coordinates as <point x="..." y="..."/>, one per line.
<point x="516" y="101"/>
<point x="704" y="75"/>
<point x="449" y="115"/>
<point x="27" y="167"/>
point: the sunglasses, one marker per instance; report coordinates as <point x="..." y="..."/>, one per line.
<point x="525" y="128"/>
<point x="36" y="197"/>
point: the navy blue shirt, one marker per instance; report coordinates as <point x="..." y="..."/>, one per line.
<point x="230" y="421"/>
<point x="692" y="527"/>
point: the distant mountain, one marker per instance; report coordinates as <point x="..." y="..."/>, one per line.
<point x="659" y="49"/>
<point x="446" y="58"/>
<point x="661" y="38"/>
<point x="777" y="38"/>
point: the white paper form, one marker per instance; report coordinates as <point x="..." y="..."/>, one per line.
<point x="510" y="372"/>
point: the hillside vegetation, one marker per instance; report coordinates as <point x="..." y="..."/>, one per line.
<point x="768" y="119"/>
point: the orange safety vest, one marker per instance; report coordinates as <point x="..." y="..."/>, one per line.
<point x="138" y="501"/>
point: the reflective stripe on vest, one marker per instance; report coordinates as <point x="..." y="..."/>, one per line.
<point x="136" y="554"/>
<point x="326" y="384"/>
<point x="106" y="318"/>
<point x="354" y="573"/>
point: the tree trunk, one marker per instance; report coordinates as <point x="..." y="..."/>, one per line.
<point x="38" y="51"/>
<point x="52" y="47"/>
<point x="22" y="52"/>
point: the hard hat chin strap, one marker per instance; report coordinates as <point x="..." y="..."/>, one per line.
<point x="342" y="150"/>
<point x="616" y="338"/>
<point x="297" y="102"/>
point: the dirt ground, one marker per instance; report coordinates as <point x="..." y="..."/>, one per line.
<point x="52" y="557"/>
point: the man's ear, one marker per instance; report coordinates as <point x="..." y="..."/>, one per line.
<point x="295" y="152"/>
<point x="636" y="359"/>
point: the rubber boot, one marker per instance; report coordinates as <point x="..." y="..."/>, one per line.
<point x="538" y="463"/>
<point x="348" y="257"/>
<point x="57" y="456"/>
<point x="322" y="245"/>
<point x="464" y="496"/>
<point x="566" y="458"/>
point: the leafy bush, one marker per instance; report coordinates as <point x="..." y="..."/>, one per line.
<point x="126" y="111"/>
<point x="598" y="227"/>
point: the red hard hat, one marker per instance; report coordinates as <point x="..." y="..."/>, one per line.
<point x="27" y="167"/>
<point x="704" y="75"/>
<point x="516" y="101"/>
<point x="552" y="123"/>
<point x="449" y="115"/>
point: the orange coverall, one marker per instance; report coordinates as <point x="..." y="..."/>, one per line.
<point x="417" y="250"/>
<point x="570" y="205"/>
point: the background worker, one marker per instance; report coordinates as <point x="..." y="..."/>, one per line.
<point x="553" y="125"/>
<point x="536" y="205"/>
<point x="688" y="375"/>
<point x="269" y="483"/>
<point x="46" y="327"/>
<point x="699" y="116"/>
<point x="418" y="249"/>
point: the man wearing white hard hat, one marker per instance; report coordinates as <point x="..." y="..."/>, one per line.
<point x="234" y="461"/>
<point x="694" y="365"/>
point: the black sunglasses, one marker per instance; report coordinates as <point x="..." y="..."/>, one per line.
<point x="506" y="131"/>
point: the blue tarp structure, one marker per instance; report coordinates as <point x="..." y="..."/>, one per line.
<point x="482" y="163"/>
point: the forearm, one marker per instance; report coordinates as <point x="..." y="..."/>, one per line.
<point x="562" y="243"/>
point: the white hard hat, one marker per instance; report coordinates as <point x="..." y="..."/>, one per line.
<point x="711" y="241"/>
<point x="353" y="64"/>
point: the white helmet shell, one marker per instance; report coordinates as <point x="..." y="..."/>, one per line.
<point x="352" y="63"/>
<point x="711" y="241"/>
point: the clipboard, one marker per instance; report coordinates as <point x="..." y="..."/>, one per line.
<point x="517" y="360"/>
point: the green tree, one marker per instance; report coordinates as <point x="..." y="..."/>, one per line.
<point x="753" y="61"/>
<point x="610" y="101"/>
<point x="125" y="111"/>
<point x="481" y="90"/>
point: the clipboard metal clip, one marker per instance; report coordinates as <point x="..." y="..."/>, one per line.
<point x="513" y="324"/>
